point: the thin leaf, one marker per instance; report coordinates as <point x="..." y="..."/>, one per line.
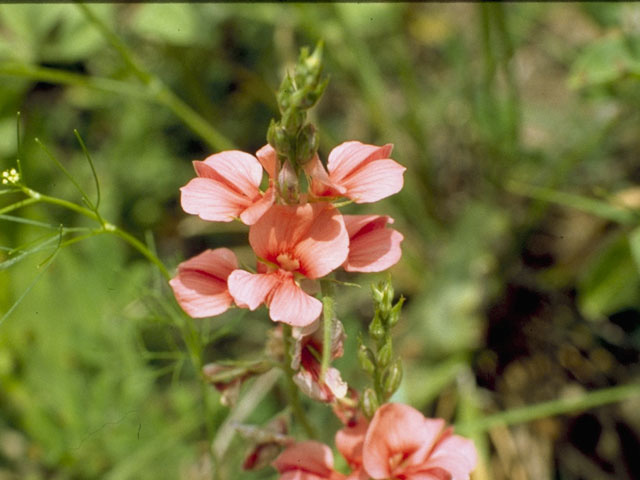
<point x="93" y="168"/>
<point x="43" y="268"/>
<point x="19" y="152"/>
<point x="24" y="253"/>
<point x="35" y="223"/>
<point x="17" y="205"/>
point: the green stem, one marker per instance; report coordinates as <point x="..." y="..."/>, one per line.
<point x="106" y="227"/>
<point x="327" y="316"/>
<point x="294" y="397"/>
<point x="141" y="247"/>
<point x="560" y="406"/>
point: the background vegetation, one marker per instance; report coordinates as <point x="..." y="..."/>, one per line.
<point x="519" y="128"/>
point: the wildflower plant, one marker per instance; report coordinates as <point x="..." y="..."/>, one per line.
<point x="300" y="237"/>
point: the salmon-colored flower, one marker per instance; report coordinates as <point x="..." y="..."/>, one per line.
<point x="305" y="362"/>
<point x="372" y="247"/>
<point x="227" y="187"/>
<point x="402" y="443"/>
<point x="291" y="243"/>
<point x="307" y="461"/>
<point x="200" y="287"/>
<point x="363" y="173"/>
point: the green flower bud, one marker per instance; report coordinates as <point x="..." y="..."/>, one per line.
<point x="307" y="144"/>
<point x="369" y="402"/>
<point x="392" y="377"/>
<point x="366" y="358"/>
<point x="394" y="315"/>
<point x="376" y="329"/>
<point x="377" y="292"/>
<point x="385" y="353"/>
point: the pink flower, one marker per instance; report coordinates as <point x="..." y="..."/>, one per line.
<point x="291" y="243"/>
<point x="201" y="284"/>
<point x="309" y="367"/>
<point x="363" y="173"/>
<point x="402" y="443"/>
<point x="372" y="247"/>
<point x="307" y="461"/>
<point x="227" y="187"/>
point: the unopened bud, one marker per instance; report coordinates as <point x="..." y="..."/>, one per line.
<point x="288" y="183"/>
<point x="394" y="314"/>
<point x="392" y="378"/>
<point x="376" y="329"/>
<point x="307" y="145"/>
<point x="278" y="139"/>
<point x="369" y="402"/>
<point x="366" y="359"/>
<point x="385" y="353"/>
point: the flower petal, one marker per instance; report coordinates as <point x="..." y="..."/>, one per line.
<point x="291" y="305"/>
<point x="397" y="428"/>
<point x="201" y="287"/>
<point x="239" y="170"/>
<point x="253" y="213"/>
<point x="454" y="454"/>
<point x="372" y="247"/>
<point x="267" y="157"/>
<point x="349" y="156"/>
<point x="212" y="200"/>
<point x="312" y="457"/>
<point x="350" y="441"/>
<point x="364" y="172"/>
<point x="374" y="181"/>
<point x="249" y="290"/>
<point x="326" y="243"/>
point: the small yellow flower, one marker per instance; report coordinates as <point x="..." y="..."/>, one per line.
<point x="10" y="177"/>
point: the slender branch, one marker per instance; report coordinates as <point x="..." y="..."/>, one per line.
<point x="106" y="226"/>
<point x="559" y="406"/>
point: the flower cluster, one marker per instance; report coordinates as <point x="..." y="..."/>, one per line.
<point x="398" y="443"/>
<point x="295" y="243"/>
<point x="10" y="177"/>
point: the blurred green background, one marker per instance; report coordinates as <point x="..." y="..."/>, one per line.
<point x="519" y="128"/>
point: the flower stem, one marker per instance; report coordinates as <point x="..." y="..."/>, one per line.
<point x="327" y="311"/>
<point x="294" y="397"/>
<point x="560" y="406"/>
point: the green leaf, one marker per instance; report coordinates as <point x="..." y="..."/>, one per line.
<point x="634" y="243"/>
<point x="610" y="281"/>
<point x="606" y="60"/>
<point x="170" y="23"/>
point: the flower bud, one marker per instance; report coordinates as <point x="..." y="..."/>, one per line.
<point x="376" y="329"/>
<point x="369" y="402"/>
<point x="385" y="353"/>
<point x="392" y="378"/>
<point x="394" y="314"/>
<point x="366" y="358"/>
<point x="307" y="144"/>
<point x="288" y="183"/>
